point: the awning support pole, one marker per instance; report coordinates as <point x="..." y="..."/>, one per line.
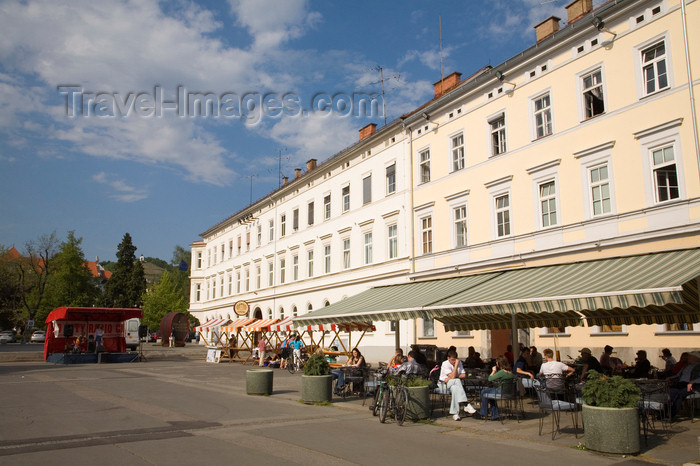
<point x="397" y="336"/>
<point x="514" y="336"/>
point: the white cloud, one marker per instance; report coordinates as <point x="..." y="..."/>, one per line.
<point x="429" y="58"/>
<point x="124" y="192"/>
<point x="273" y="22"/>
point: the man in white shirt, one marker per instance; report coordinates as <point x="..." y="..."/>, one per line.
<point x="553" y="371"/>
<point x="451" y="374"/>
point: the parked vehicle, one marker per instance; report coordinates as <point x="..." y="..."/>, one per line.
<point x="6" y="336"/>
<point x="131" y="333"/>
<point x="39" y="336"/>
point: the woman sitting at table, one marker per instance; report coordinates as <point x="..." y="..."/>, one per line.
<point x="501" y="371"/>
<point x="355" y="360"/>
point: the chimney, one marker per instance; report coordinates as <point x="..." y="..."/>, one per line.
<point x="547" y="27"/>
<point x="368" y="130"/>
<point x="310" y="165"/>
<point x="578" y="8"/>
<point x="285" y="180"/>
<point x="446" y="84"/>
<point x="297" y="173"/>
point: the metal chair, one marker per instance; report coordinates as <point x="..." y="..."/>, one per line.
<point x="509" y="396"/>
<point x="654" y="405"/>
<point x="554" y="402"/>
<point x="438" y="389"/>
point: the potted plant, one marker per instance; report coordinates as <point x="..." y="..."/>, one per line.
<point x="610" y="414"/>
<point x="316" y="382"/>
<point x="418" y="398"/>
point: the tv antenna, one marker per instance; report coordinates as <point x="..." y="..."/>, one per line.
<point x="251" y="186"/>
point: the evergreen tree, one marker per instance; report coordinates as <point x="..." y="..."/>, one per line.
<point x="163" y="298"/>
<point x="127" y="285"/>
<point x="72" y="283"/>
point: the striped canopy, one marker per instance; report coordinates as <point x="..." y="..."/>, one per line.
<point x="238" y="323"/>
<point x="651" y="288"/>
<point x="260" y="325"/>
<point x="341" y="327"/>
<point x="210" y="324"/>
<point x="285" y="325"/>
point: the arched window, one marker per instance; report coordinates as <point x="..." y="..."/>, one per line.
<point x="326" y="303"/>
<point x="294" y="311"/>
<point x="281" y="312"/>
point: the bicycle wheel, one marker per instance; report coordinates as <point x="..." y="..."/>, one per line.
<point x="377" y="397"/>
<point x="400" y="401"/>
<point x="385" y="402"/>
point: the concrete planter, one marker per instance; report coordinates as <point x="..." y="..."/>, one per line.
<point x="315" y="388"/>
<point x="258" y="381"/>
<point x="611" y="430"/>
<point x="418" y="403"/>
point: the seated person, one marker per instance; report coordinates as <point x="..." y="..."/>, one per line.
<point x="554" y="372"/>
<point x="419" y="356"/>
<point x="642" y="367"/>
<point x="331" y="357"/>
<point x="396" y="360"/>
<point x="535" y="360"/>
<point x="355" y="360"/>
<point x="669" y="362"/>
<point x="501" y="371"/>
<point x="411" y="366"/>
<point x="590" y="363"/>
<point x="451" y="374"/>
<point x="521" y="368"/>
<point x="682" y="362"/>
<point x="683" y="383"/>
<point x="473" y="361"/>
<point x="606" y="362"/>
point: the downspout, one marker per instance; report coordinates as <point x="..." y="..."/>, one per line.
<point x="690" y="85"/>
<point x="413" y="229"/>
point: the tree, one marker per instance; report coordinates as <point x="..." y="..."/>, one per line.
<point x="34" y="270"/>
<point x="10" y="290"/>
<point x="127" y="285"/>
<point x="72" y="283"/>
<point x="163" y="297"/>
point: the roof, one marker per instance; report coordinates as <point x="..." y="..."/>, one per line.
<point x="102" y="314"/>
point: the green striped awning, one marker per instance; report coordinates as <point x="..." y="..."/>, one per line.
<point x="651" y="288"/>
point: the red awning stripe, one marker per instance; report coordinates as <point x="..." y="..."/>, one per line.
<point x="211" y="324"/>
<point x="260" y="325"/>
<point x="238" y="323"/>
<point x="286" y="325"/>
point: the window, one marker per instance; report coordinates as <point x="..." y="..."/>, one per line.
<point x="654" y="68"/>
<point x="281" y="313"/>
<point x="593" y="103"/>
<point x="294" y="311"/>
<point x="346" y="253"/>
<point x="198" y="292"/>
<point x="309" y="263"/>
<point x="425" y="166"/>
<point x="223" y="252"/>
<point x="258" y="273"/>
<point x="310" y="214"/>
<point x="611" y="329"/>
<point x="460" y="226"/>
<point x="238" y="243"/>
<point x="543" y="116"/>
<point x="367" y="189"/>
<point x="215" y="255"/>
<point x="213" y="289"/>
<point x="665" y="175"/>
<point x="283" y="225"/>
<point x="230" y="249"/>
<point x="221" y="283"/>
<point x="238" y="281"/>
<point x="247" y="279"/>
<point x="391" y="179"/>
<point x="548" y="204"/>
<point x="259" y="234"/>
<point x="503" y="215"/>
<point x="283" y="270"/>
<point x="427" y="234"/>
<point x="230" y="284"/>
<point x="555" y="330"/>
<point x="271" y="230"/>
<point x="199" y="261"/>
<point x="368" y="248"/>
<point x="247" y="241"/>
<point x="428" y="328"/>
<point x="346" y="198"/>
<point x="270" y="274"/>
<point x="327" y="207"/>
<point x="393" y="236"/>
<point x="295" y="267"/>
<point x="327" y="258"/>
<point x="498" y="135"/>
<point x="457" y="146"/>
<point x="295" y="220"/>
<point x="600" y="189"/>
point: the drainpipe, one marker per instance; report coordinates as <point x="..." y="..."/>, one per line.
<point x="413" y="229"/>
<point x="690" y="84"/>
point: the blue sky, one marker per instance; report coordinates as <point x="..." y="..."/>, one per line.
<point x="118" y="166"/>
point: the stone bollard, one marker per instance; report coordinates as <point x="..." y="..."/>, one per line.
<point x="258" y="381"/>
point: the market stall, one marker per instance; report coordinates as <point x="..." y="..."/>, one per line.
<point x="233" y="342"/>
<point x="210" y="331"/>
<point x="79" y="330"/>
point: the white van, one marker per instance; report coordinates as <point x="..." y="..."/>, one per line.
<point x="131" y="333"/>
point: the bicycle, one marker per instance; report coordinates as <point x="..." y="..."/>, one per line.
<point x="378" y="390"/>
<point x="394" y="399"/>
<point x="295" y="364"/>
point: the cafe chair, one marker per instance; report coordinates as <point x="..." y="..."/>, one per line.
<point x="508" y="400"/>
<point x="553" y="402"/>
<point x="654" y="406"/>
<point x="438" y="390"/>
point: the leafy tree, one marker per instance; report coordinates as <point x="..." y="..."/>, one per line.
<point x="163" y="297"/>
<point x="72" y="283"/>
<point x="127" y="285"/>
<point x="10" y="290"/>
<point x="34" y="270"/>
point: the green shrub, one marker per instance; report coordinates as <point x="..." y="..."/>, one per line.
<point x="610" y="392"/>
<point x="416" y="381"/>
<point x="317" y="365"/>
